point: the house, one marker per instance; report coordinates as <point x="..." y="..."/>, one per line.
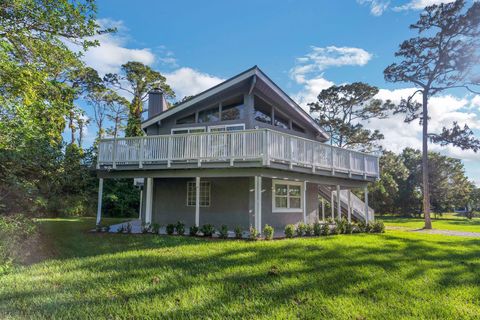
<point x="241" y="153"/>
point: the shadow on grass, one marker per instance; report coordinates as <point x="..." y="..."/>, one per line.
<point x="174" y="277"/>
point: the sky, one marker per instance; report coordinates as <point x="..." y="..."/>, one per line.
<point x="304" y="46"/>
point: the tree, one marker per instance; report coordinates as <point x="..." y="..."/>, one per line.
<point x="443" y="56"/>
<point x="341" y="109"/>
<point x="137" y="79"/>
<point x="117" y="114"/>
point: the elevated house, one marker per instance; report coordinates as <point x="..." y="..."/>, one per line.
<point x="241" y="153"/>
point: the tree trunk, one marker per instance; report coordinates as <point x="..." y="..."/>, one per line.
<point x="426" y="186"/>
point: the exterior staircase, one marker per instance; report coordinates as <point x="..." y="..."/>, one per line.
<point x="358" y="206"/>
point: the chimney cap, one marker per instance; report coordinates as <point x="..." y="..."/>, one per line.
<point x="156" y="90"/>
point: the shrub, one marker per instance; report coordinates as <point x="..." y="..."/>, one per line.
<point x="180" y="228"/>
<point x="289" y="230"/>
<point x="223" y="231"/>
<point x="128" y="228"/>
<point x="208" y="230"/>
<point x="334" y="229"/>
<point x="301" y="227"/>
<point x="378" y="227"/>
<point x="155" y="228"/>
<point x="309" y="229"/>
<point x="348" y="228"/>
<point x="193" y="231"/>
<point x="268" y="232"/>
<point x="341" y="225"/>
<point x="356" y="228"/>
<point x="238" y="232"/>
<point x="317" y="229"/>
<point x="146" y="228"/>
<point x="170" y="228"/>
<point x="253" y="233"/>
<point x="325" y="229"/>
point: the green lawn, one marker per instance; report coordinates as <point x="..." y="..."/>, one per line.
<point x="446" y="222"/>
<point x="376" y="276"/>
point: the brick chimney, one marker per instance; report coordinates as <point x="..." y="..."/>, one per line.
<point x="156" y="102"/>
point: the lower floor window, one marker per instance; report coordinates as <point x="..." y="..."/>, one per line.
<point x="204" y="193"/>
<point x="287" y="196"/>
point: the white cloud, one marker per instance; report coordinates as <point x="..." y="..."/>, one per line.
<point x="187" y="81"/>
<point x="310" y="91"/>
<point x="419" y="4"/>
<point x="377" y="7"/>
<point x="321" y="58"/>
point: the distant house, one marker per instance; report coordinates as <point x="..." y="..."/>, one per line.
<point x="241" y="153"/>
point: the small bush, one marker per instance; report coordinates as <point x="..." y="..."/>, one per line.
<point x="155" y="228"/>
<point x="180" y="228"/>
<point x="309" y="229"/>
<point x="238" y="232"/>
<point x="253" y="233"/>
<point x="301" y="227"/>
<point x="289" y="230"/>
<point x="268" y="232"/>
<point x="146" y="228"/>
<point x="170" y="228"/>
<point x="356" y="228"/>
<point x="193" y="231"/>
<point x="223" y="231"/>
<point x="208" y="230"/>
<point x="378" y="227"/>
<point x="334" y="229"/>
<point x="348" y="228"/>
<point x="341" y="225"/>
<point x="325" y="229"/>
<point x="317" y="229"/>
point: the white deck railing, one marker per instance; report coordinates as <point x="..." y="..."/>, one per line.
<point x="259" y="145"/>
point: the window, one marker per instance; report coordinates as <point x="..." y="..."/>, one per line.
<point x="233" y="109"/>
<point x="287" y="196"/>
<point x="204" y="193"/>
<point x="188" y="130"/>
<point x="227" y="127"/>
<point x="262" y="111"/>
<point x="281" y="122"/>
<point x="188" y="119"/>
<point x="297" y="128"/>
<point x="209" y="115"/>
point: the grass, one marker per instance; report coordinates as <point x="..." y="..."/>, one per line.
<point x="365" y="276"/>
<point x="445" y="222"/>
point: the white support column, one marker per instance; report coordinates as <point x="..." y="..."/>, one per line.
<point x="99" y="203"/>
<point x="349" y="206"/>
<point x="323" y="209"/>
<point x="339" y="205"/>
<point x="197" y="201"/>
<point x="367" y="218"/>
<point x="258" y="203"/>
<point x="149" y="201"/>
<point x="141" y="202"/>
<point x="304" y="201"/>
<point x="332" y="204"/>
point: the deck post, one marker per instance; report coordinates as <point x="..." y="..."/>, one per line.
<point x="367" y="218"/>
<point x="141" y="202"/>
<point x="258" y="203"/>
<point x="149" y="200"/>
<point x="349" y="206"/>
<point x="197" y="201"/>
<point x="332" y="204"/>
<point x="339" y="207"/>
<point x="323" y="209"/>
<point x="99" y="204"/>
<point x="304" y="200"/>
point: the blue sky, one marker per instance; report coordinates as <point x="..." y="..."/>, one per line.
<point x="304" y="46"/>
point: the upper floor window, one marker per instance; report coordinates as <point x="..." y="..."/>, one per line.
<point x="296" y="127"/>
<point x="262" y="111"/>
<point x="188" y="130"/>
<point x="281" y="122"/>
<point x="187" y="119"/>
<point x="209" y="115"/>
<point x="233" y="109"/>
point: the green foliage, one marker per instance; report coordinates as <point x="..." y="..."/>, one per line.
<point x="289" y="231"/>
<point x="301" y="227"/>
<point x="309" y="229"/>
<point x="223" y="231"/>
<point x="325" y="231"/>
<point x="317" y="228"/>
<point x="238" y="232"/>
<point x="378" y="227"/>
<point x="155" y="228"/>
<point x="193" y="231"/>
<point x="180" y="228"/>
<point x="341" y="225"/>
<point x="253" y="233"/>
<point x="170" y="228"/>
<point x="146" y="227"/>
<point x="334" y="229"/>
<point x="208" y="230"/>
<point x="268" y="232"/>
<point x="348" y="228"/>
<point x="121" y="198"/>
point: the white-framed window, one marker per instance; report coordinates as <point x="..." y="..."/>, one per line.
<point x="287" y="196"/>
<point x="205" y="194"/>
<point x="188" y="130"/>
<point x="227" y="127"/>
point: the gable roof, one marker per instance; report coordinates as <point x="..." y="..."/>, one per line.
<point x="254" y="71"/>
